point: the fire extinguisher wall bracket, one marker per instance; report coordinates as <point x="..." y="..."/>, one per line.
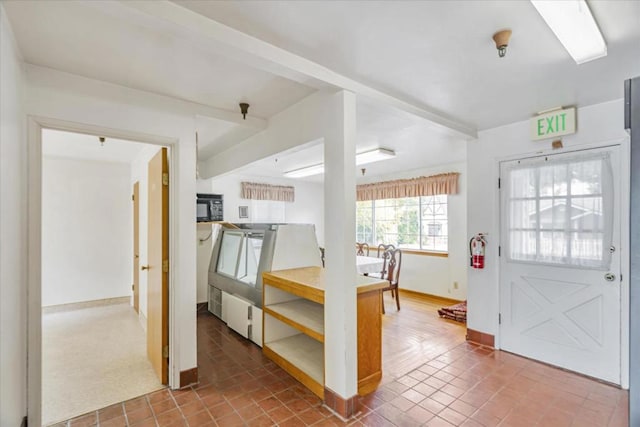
<point x="477" y="248"/>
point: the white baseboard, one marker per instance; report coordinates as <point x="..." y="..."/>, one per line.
<point x="86" y="304"/>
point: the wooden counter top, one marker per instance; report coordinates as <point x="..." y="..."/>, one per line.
<point x="314" y="277"/>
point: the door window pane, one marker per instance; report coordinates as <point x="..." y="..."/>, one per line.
<point x="558" y="210"/>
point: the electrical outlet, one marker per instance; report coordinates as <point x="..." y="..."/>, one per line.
<point x="455" y="285"/>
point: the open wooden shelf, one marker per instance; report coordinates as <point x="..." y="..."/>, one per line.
<point x="303" y="352"/>
<point x="302" y="314"/>
<point x="293" y="326"/>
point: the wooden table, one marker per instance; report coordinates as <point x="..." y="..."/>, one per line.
<point x="368" y="264"/>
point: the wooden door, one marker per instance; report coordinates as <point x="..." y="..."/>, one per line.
<point x="560" y="263"/>
<point x="136" y="246"/>
<point x="158" y="266"/>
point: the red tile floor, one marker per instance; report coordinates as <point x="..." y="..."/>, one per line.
<point x="466" y="385"/>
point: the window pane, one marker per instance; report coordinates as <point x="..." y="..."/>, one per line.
<point x="564" y="222"/>
<point x="410" y="222"/>
<point x="553" y="180"/>
<point x="434" y="223"/>
<point x="586" y="214"/>
<point x="523" y="214"/>
<point x="586" y="177"/>
<point x="552" y="214"/>
<point x="428" y="242"/>
<point x="523" y="245"/>
<point x="553" y="246"/>
<point x="364" y="221"/>
<point x="523" y="183"/>
<point x="587" y="246"/>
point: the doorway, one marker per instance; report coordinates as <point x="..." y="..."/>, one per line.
<point x="560" y="264"/>
<point x="92" y="300"/>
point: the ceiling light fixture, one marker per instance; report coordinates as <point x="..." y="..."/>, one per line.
<point x="244" y="108"/>
<point x="361" y="159"/>
<point x="374" y="156"/>
<point x="574" y="25"/>
<point x="306" y="171"/>
<point x="502" y="41"/>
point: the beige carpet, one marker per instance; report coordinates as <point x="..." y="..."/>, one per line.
<point x="92" y="358"/>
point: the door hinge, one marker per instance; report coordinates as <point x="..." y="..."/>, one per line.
<point x="499" y="250"/>
<point x="498" y="183"/>
<point x="499" y="318"/>
<point x="621" y="277"/>
<point x="165" y="178"/>
<point x="133" y="197"/>
<point x="133" y="287"/>
<point x="165" y="266"/>
<point x="165" y="351"/>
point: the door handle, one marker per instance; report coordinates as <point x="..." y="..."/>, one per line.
<point x="145" y="267"/>
<point x="609" y="277"/>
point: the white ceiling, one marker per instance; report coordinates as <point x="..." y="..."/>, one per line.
<point x="436" y="54"/>
<point x="107" y="41"/>
<point x="440" y="53"/>
<point x="416" y="144"/>
<point x="87" y="147"/>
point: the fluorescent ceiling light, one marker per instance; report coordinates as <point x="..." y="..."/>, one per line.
<point x="307" y="171"/>
<point x="374" y="156"/>
<point x="573" y="24"/>
<point x="361" y="159"/>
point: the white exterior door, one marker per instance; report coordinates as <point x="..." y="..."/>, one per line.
<point x="560" y="260"/>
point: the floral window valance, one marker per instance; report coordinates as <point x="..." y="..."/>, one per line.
<point x="258" y="191"/>
<point x="445" y="183"/>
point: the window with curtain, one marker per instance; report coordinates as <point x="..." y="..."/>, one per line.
<point x="559" y="210"/>
<point x="408" y="222"/>
<point x="407" y="213"/>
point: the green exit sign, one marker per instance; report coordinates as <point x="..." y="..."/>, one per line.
<point x="554" y="123"/>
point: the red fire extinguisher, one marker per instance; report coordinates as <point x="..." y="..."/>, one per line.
<point x="477" y="246"/>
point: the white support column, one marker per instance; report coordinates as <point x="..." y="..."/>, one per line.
<point x="339" y="216"/>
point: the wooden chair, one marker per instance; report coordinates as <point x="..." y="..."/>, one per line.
<point x="362" y="249"/>
<point x="391" y="273"/>
<point x="382" y="248"/>
<point x="383" y="252"/>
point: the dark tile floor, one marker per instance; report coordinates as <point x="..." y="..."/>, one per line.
<point x="467" y="385"/>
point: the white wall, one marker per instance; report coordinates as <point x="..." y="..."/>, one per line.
<point x="306" y="209"/>
<point x="86" y="230"/>
<point x="596" y="124"/>
<point x="148" y="117"/>
<point x="436" y="275"/>
<point x="13" y="215"/>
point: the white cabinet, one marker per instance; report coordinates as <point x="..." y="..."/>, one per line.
<point x="242" y="316"/>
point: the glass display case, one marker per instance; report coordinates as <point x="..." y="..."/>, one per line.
<point x="240" y="255"/>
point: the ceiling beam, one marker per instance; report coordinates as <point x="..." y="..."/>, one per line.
<point x="260" y="54"/>
<point x="153" y="99"/>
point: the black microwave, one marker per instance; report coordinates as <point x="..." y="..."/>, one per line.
<point x="209" y="207"/>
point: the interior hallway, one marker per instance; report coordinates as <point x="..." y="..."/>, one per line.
<point x="432" y="377"/>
